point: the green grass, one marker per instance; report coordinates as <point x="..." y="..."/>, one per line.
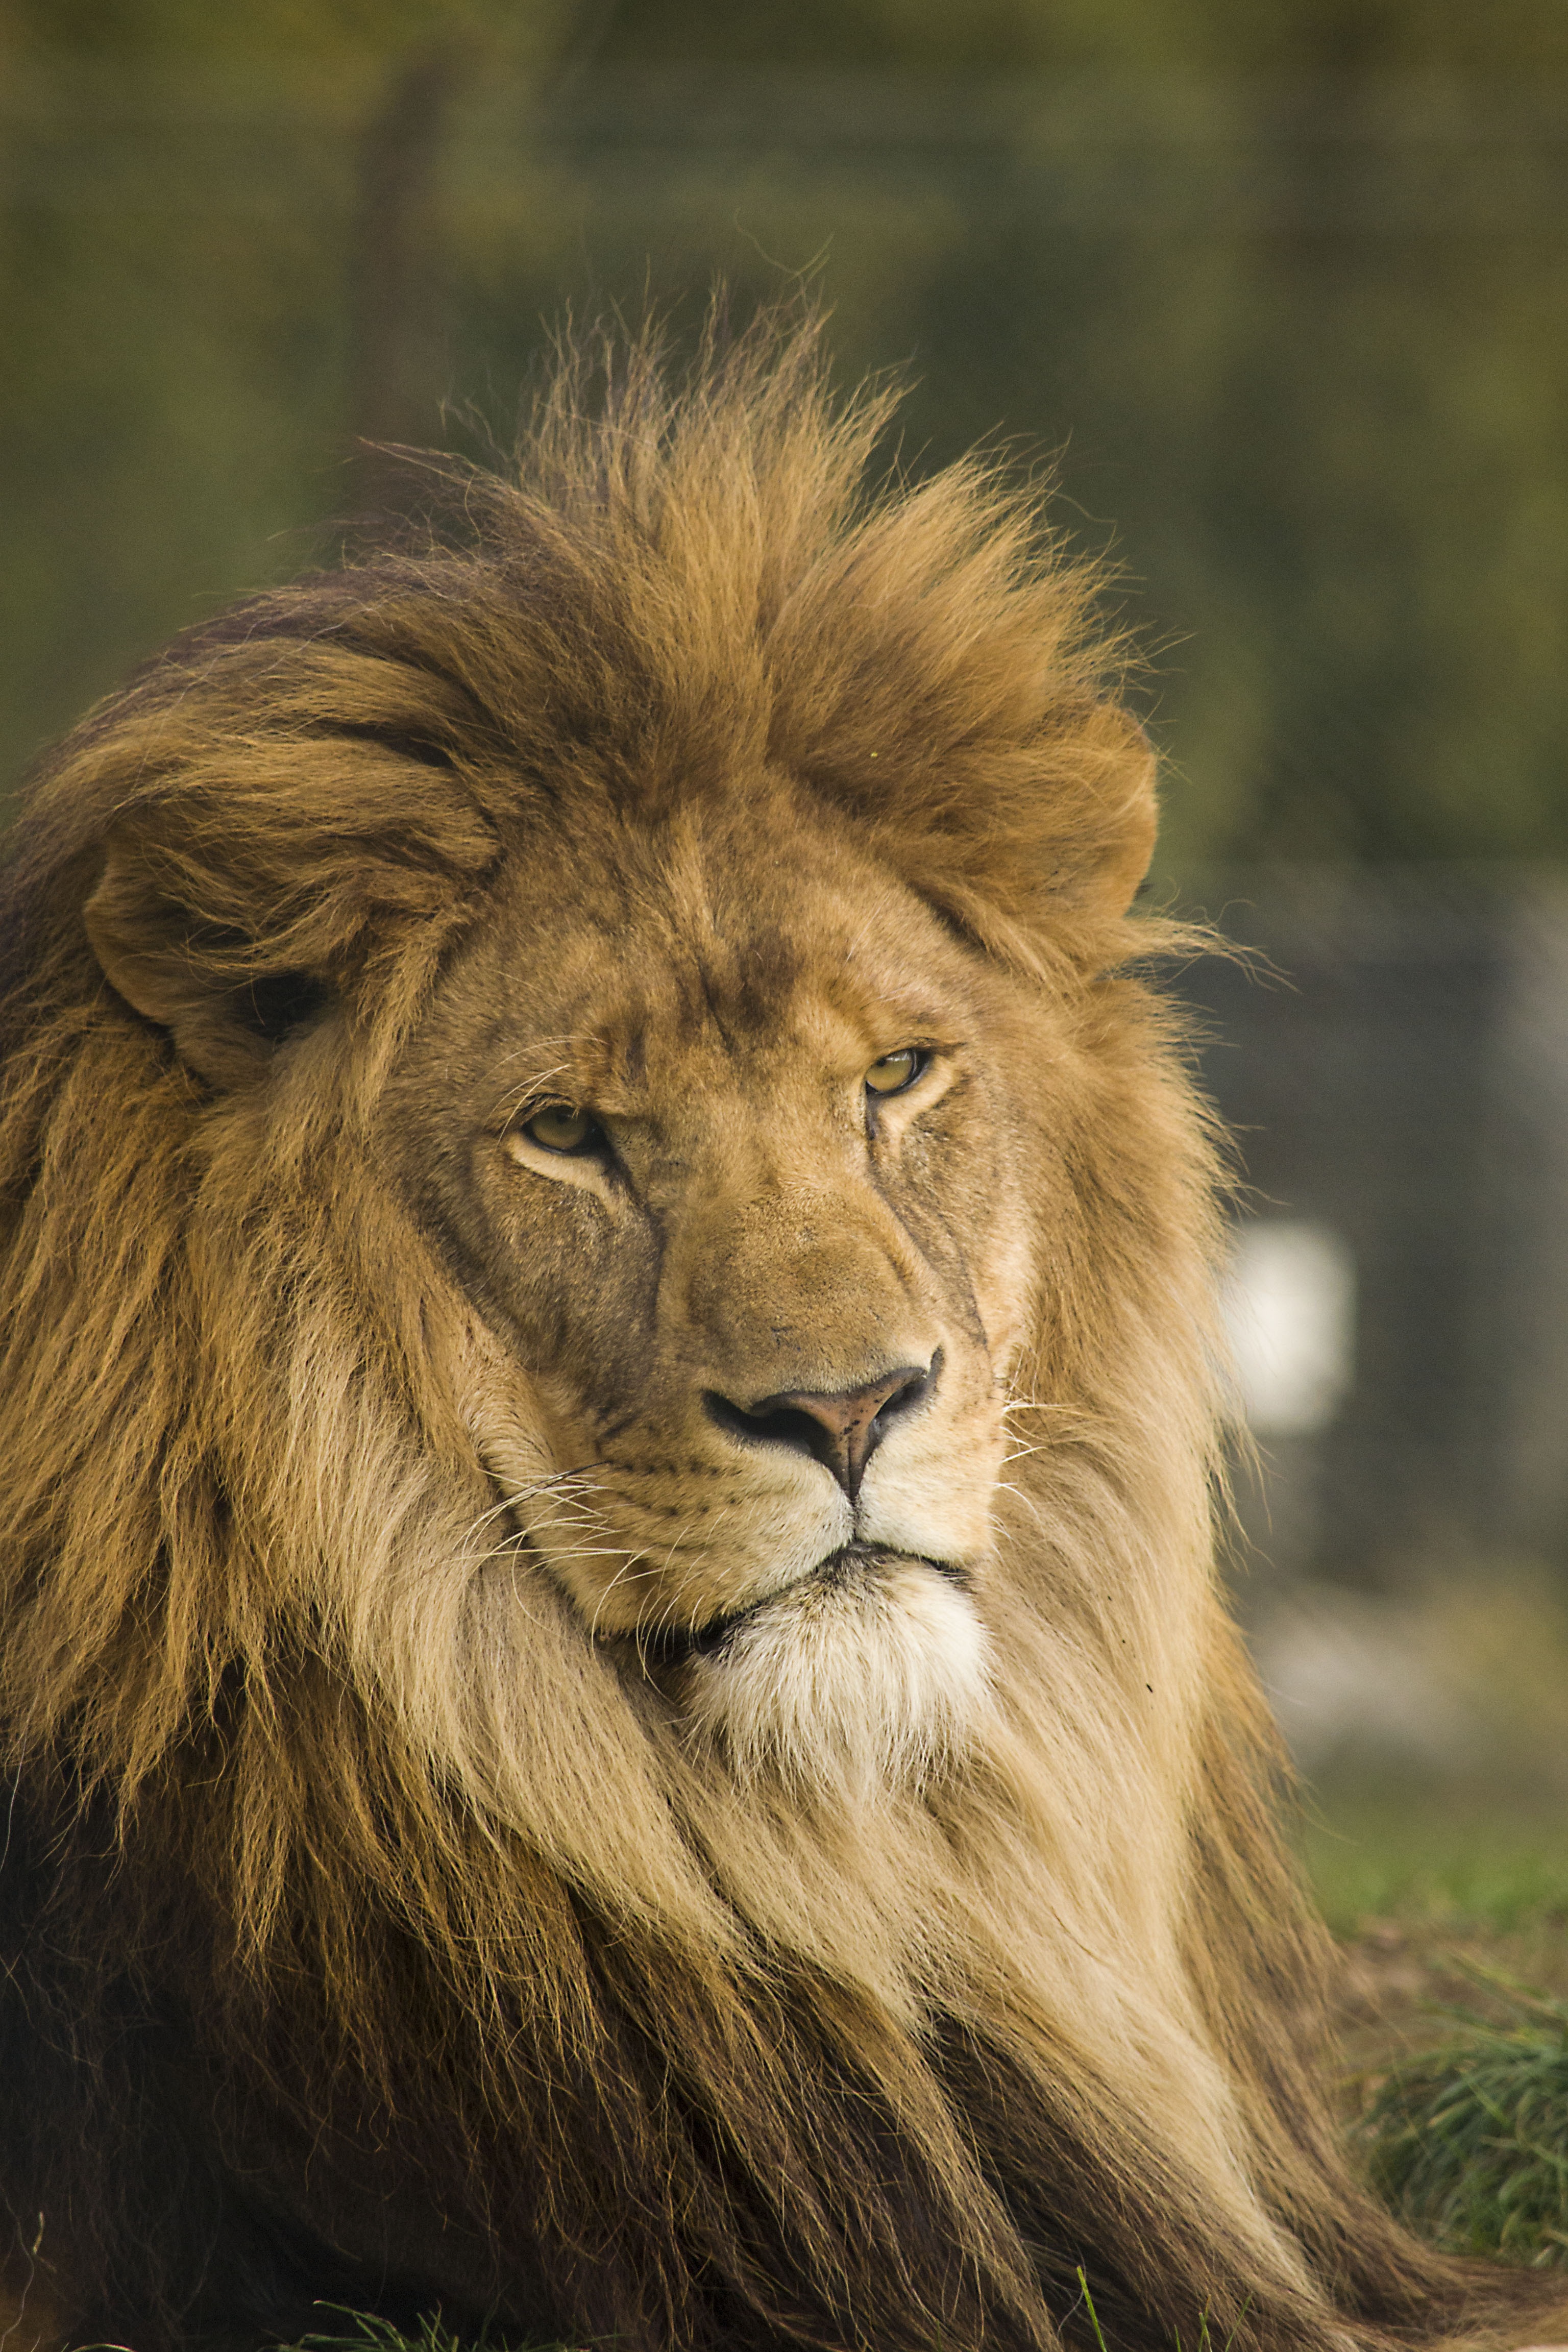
<point x="1468" y="2142"/>
<point x="362" y="2332"/>
<point x="1383" y="1855"/>
<point x="1465" y="2135"/>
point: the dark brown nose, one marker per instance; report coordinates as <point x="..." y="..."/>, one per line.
<point x="840" y="1428"/>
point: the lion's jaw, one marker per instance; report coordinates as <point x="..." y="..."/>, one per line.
<point x="752" y="1232"/>
<point x="865" y="1673"/>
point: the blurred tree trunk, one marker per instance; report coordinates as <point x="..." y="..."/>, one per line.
<point x="397" y="296"/>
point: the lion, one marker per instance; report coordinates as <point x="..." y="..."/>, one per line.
<point x="620" y="1720"/>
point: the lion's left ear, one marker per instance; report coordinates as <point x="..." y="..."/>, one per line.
<point x="1101" y="849"/>
<point x="1036" y="827"/>
<point x="1044" y="847"/>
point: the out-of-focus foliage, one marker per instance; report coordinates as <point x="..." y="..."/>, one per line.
<point x="363" y="33"/>
<point x="1207" y="37"/>
<point x="1286" y="286"/>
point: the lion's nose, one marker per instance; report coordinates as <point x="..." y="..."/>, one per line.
<point x="840" y="1428"/>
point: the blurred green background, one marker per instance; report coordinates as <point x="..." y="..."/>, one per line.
<point x="1280" y="287"/>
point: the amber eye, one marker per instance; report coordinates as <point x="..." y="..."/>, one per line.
<point x="560" y="1127"/>
<point x="896" y="1071"/>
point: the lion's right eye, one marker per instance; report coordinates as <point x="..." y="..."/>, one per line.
<point x="560" y="1126"/>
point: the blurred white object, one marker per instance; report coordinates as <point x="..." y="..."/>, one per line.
<point x="1349" y="1669"/>
<point x="1289" y="1301"/>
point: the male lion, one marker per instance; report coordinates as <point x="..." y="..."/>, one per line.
<point x="619" y="1716"/>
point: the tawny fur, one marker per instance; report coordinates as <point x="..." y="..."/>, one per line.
<point x="390" y="1914"/>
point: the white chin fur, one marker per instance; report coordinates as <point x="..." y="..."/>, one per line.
<point x="845" y="1686"/>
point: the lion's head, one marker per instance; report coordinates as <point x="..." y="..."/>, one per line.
<point x="619" y="1711"/>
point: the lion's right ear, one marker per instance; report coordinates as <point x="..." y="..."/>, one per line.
<point x="226" y="999"/>
<point x="232" y="922"/>
<point x="266" y="828"/>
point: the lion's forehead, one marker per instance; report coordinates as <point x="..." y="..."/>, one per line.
<point x="689" y="987"/>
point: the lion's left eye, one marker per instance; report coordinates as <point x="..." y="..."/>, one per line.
<point x="896" y="1071"/>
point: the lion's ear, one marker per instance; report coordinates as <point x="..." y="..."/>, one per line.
<point x="226" y="999"/>
<point x="1109" y="817"/>
<point x="1049" y="847"/>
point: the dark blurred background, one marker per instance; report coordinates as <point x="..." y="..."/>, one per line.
<point x="1283" y="291"/>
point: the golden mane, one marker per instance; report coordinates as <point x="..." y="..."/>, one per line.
<point x="426" y="1977"/>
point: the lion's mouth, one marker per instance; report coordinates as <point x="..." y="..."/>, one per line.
<point x="851" y="1564"/>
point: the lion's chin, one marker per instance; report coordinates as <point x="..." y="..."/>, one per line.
<point x="867" y="1673"/>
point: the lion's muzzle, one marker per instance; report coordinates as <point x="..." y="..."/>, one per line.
<point x="852" y="1565"/>
<point x="867" y="1672"/>
<point x="840" y="1428"/>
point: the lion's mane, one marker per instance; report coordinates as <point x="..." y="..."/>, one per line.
<point x="336" y="1965"/>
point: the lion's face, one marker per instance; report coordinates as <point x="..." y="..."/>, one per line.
<point x="713" y="1134"/>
